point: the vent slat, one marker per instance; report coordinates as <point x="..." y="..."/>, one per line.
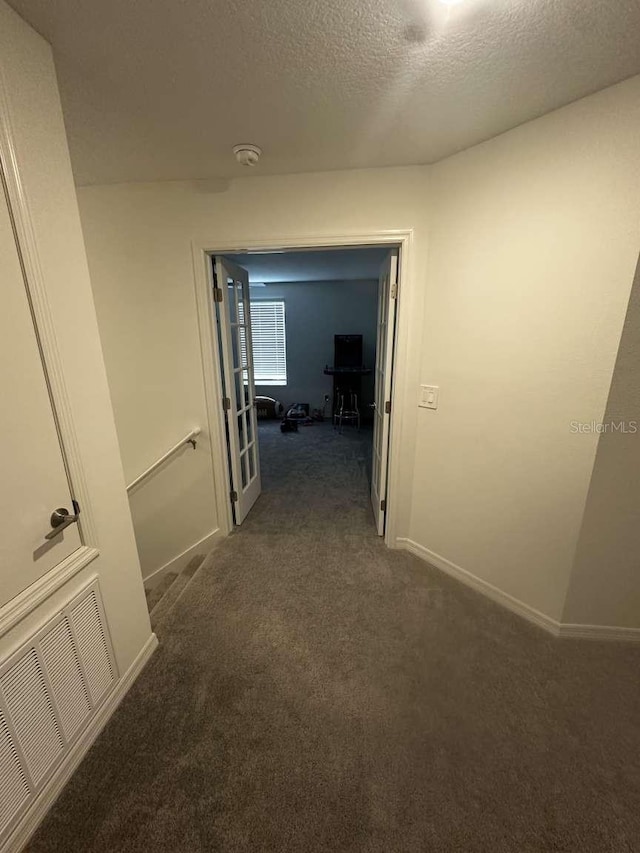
<point x="14" y="788"/>
<point x="93" y="646"/>
<point x="63" y="667"/>
<point x="31" y="712"/>
<point x="48" y="691"/>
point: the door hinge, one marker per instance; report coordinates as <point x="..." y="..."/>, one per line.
<point x="234" y="496"/>
<point x="387" y="407"/>
<point x="226" y="404"/>
<point x="217" y="294"/>
<point x="383" y="506"/>
<point x="394" y="290"/>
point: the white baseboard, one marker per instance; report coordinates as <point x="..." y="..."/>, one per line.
<point x="34" y="816"/>
<point x="492" y="592"/>
<point x="558" y="629"/>
<point x="599" y="632"/>
<point x="178" y="563"/>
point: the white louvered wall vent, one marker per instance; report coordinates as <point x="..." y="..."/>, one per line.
<point x="49" y="689"/>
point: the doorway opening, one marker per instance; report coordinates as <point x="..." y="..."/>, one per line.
<point x="397" y="434"/>
<point x="305" y="343"/>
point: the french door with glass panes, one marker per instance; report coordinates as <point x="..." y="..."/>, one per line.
<point x="387" y="293"/>
<point x="233" y="314"/>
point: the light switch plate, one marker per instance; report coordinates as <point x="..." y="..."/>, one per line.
<point x="429" y="396"/>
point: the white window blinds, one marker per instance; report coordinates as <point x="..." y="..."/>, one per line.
<point x="269" y="343"/>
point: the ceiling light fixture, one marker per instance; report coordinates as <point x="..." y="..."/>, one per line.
<point x="451" y="2"/>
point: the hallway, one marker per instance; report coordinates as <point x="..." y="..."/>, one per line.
<point x="315" y="691"/>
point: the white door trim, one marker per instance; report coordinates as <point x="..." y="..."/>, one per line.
<point x="20" y="211"/>
<point x="202" y="249"/>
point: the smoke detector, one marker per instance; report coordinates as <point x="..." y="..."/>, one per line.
<point x="247" y="155"/>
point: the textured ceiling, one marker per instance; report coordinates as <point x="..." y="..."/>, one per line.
<point x="162" y="90"/>
<point x="327" y="265"/>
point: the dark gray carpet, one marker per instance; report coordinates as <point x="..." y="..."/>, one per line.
<point x="315" y="691"/>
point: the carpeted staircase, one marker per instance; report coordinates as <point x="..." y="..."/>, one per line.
<point x="162" y="596"/>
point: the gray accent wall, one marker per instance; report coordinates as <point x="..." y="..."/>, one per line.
<point x="314" y="313"/>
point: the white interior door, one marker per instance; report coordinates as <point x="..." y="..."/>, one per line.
<point x="236" y="356"/>
<point x="34" y="479"/>
<point x="387" y="291"/>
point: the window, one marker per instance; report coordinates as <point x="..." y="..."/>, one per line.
<point x="269" y="343"/>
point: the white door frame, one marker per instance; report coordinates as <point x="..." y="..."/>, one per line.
<point x="47" y="334"/>
<point x="202" y="251"/>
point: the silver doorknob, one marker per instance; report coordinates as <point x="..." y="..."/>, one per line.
<point x="372" y="406"/>
<point x="60" y="519"/>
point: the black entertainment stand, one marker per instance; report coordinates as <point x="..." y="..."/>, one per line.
<point x="348" y="370"/>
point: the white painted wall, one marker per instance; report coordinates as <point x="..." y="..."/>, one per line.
<point x="138" y="239"/>
<point x="533" y="244"/>
<point x="530" y="240"/>
<point x="605" y="582"/>
<point x="315" y="311"/>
